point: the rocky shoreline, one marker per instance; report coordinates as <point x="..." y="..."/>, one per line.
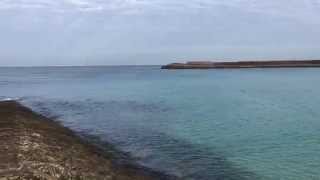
<point x="243" y="64"/>
<point x="35" y="147"/>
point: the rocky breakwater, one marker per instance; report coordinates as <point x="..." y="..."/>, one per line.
<point x="243" y="64"/>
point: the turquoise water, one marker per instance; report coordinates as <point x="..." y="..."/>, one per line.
<point x="195" y="124"/>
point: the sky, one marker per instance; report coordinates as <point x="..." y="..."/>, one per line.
<point x="135" y="32"/>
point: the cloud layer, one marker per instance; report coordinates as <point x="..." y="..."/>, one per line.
<point x="279" y="7"/>
<point x="132" y="31"/>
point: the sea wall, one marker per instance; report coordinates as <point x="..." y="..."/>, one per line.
<point x="243" y="64"/>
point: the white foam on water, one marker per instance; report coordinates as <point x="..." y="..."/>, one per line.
<point x="8" y="99"/>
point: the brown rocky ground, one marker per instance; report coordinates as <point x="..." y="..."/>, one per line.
<point x="34" y="147"/>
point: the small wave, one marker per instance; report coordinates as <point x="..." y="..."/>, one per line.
<point x="9" y="99"/>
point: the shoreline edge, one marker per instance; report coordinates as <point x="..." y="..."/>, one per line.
<point x="35" y="147"/>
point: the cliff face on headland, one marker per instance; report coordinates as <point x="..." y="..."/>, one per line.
<point x="34" y="147"/>
<point x="243" y="64"/>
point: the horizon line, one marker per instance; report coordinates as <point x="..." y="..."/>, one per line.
<point x="175" y="61"/>
<point x="36" y="66"/>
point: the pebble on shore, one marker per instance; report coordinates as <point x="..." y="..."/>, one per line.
<point x="35" y="147"/>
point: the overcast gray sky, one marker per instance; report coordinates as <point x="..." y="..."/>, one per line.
<point x="105" y="32"/>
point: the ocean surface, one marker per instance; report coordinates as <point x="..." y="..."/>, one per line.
<point x="195" y="124"/>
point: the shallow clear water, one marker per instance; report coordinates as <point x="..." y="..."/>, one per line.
<point x="196" y="124"/>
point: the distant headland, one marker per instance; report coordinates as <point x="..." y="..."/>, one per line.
<point x="243" y="64"/>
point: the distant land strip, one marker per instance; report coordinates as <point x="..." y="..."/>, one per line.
<point x="243" y="64"/>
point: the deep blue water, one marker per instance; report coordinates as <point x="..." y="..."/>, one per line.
<point x="196" y="124"/>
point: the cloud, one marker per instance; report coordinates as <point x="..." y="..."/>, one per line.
<point x="276" y="7"/>
<point x="96" y="29"/>
<point x="306" y="11"/>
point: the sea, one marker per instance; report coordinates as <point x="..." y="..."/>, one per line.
<point x="223" y="124"/>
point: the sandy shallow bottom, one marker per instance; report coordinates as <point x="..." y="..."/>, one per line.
<point x="35" y="147"/>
